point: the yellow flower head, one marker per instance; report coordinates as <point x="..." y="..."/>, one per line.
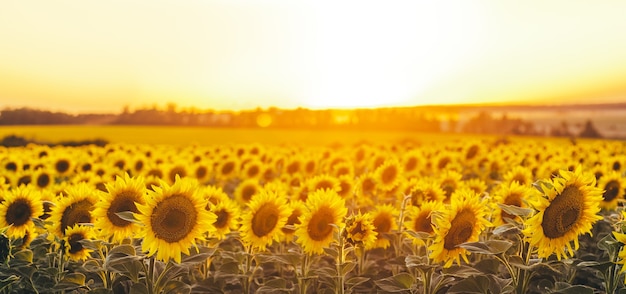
<point x="173" y="218"/>
<point x="121" y="196"/>
<point x="567" y="209"/>
<point x="261" y="224"/>
<point x="315" y="231"/>
<point x="462" y="222"/>
<point x="20" y="205"/>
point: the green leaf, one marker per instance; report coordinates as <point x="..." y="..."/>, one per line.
<point x="515" y="210"/>
<point x="204" y="254"/>
<point x="138" y="288"/>
<point x="176" y="287"/>
<point x="356" y="281"/>
<point x="506" y="229"/>
<point x="71" y="281"/>
<point x="278" y="283"/>
<point x="610" y="245"/>
<point x="347" y="267"/>
<point x="399" y="283"/>
<point x="128" y="216"/>
<point x="489" y="247"/>
<point x="405" y="280"/>
<point x="576" y="289"/>
<point x="480" y="284"/>
<point x="24" y="255"/>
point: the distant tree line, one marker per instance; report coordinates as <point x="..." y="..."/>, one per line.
<point x="422" y="119"/>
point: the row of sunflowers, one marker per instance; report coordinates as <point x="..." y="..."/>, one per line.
<point x="482" y="216"/>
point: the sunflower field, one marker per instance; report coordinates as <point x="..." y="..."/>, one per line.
<point x="467" y="216"/>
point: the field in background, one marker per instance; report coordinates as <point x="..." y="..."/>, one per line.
<point x="210" y="136"/>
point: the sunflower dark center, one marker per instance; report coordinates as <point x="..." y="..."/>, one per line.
<point x="411" y="164"/>
<point x="253" y="171"/>
<point x="177" y="171"/>
<point x="12" y="166"/>
<point x="344" y="188"/>
<point x="309" y="167"/>
<point x="292" y="220"/>
<point x="123" y="201"/>
<point x="512" y="199"/>
<point x="461" y="229"/>
<point x="471" y="152"/>
<point x="319" y="227"/>
<point x="62" y="165"/>
<point x="201" y="171"/>
<point x="422" y="223"/>
<point x="248" y="192"/>
<point x="174" y="218"/>
<point x="222" y="218"/>
<point x="563" y="212"/>
<point x="77" y="212"/>
<point x="43" y="180"/>
<point x="24" y="180"/>
<point x="611" y="189"/>
<point x="382" y="223"/>
<point x="323" y="184"/>
<point x="389" y="175"/>
<point x="265" y="219"/>
<point x="156" y="173"/>
<point x="520" y="179"/>
<point x="443" y="162"/>
<point x="368" y="185"/>
<point x="228" y="168"/>
<point x="19" y="212"/>
<point x="293" y="167"/>
<point x="74" y="242"/>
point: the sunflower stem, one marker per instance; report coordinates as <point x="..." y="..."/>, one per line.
<point x="304" y="279"/>
<point x="339" y="289"/>
<point x="150" y="276"/>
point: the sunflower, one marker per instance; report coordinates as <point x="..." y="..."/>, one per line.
<point x="246" y="190"/>
<point x="122" y="195"/>
<point x="519" y="174"/>
<point x="366" y="185"/>
<point x="360" y="230"/>
<point x="622" y="253"/>
<point x="62" y="164"/>
<point x="449" y="181"/>
<point x="613" y="185"/>
<point x="411" y="162"/>
<point x="388" y="174"/>
<point x="513" y="194"/>
<point x="346" y="186"/>
<point x="315" y="232"/>
<point x="261" y="224"/>
<point x="475" y="184"/>
<point x="419" y="219"/>
<point x="566" y="210"/>
<point x="252" y="169"/>
<point x="227" y="169"/>
<point x="75" y="208"/>
<point x="175" y="170"/>
<point x="297" y="209"/>
<point x="384" y="220"/>
<point x="173" y="218"/>
<point x="323" y="181"/>
<point x="462" y="222"/>
<point x="19" y="207"/>
<point x="423" y="190"/>
<point x="73" y="246"/>
<point x="43" y="178"/>
<point x="227" y="212"/>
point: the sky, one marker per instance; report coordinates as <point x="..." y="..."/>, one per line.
<point x="100" y="56"/>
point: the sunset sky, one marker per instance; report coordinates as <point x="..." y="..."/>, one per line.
<point x="98" y="56"/>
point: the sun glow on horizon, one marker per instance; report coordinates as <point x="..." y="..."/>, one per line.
<point x="236" y="55"/>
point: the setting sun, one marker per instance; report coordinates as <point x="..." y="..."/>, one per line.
<point x="100" y="57"/>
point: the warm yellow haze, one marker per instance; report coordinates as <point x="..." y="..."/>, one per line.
<point x="101" y="55"/>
